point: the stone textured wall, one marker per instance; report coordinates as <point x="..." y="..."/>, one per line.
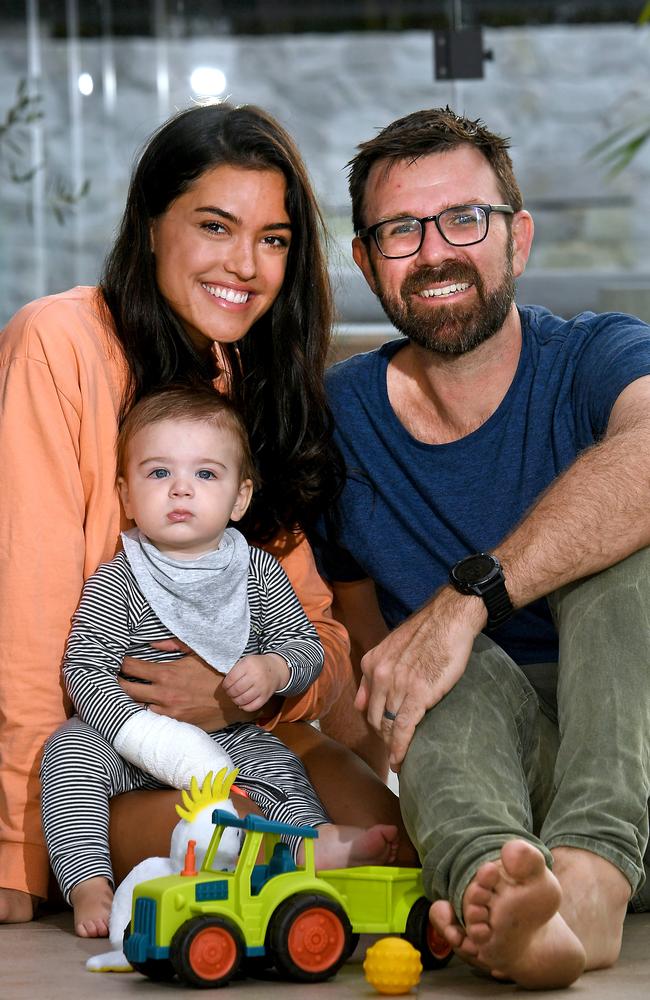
<point x="555" y="90"/>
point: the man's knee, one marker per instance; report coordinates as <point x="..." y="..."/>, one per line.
<point x="631" y="574"/>
<point x="492" y="703"/>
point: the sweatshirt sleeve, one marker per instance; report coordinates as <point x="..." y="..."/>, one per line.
<point x="44" y="553"/>
<point x="296" y="558"/>
<point x="41" y="574"/>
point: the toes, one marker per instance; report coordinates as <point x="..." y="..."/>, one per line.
<point x="476" y="914"/>
<point x="522" y="860"/>
<point x="445" y="922"/>
<point x="477" y="895"/>
<point x="487" y="876"/>
<point x="479" y="933"/>
<point x="454" y="936"/>
<point x="467" y="948"/>
<point x="92" y="929"/>
<point x="441" y="914"/>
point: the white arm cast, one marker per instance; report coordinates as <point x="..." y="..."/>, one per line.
<point x="169" y="750"/>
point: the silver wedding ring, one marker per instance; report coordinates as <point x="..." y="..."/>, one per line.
<point x="391" y="716"/>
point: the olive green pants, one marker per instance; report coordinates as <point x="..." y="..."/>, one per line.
<point x="559" y="763"/>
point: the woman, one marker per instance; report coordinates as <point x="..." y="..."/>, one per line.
<point x="217" y="271"/>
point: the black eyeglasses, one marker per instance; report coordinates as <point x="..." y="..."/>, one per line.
<point x="461" y="226"/>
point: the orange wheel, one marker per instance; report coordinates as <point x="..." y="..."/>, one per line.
<point x="434" y="950"/>
<point x="207" y="951"/>
<point x="316" y="939"/>
<point x="310" y="937"/>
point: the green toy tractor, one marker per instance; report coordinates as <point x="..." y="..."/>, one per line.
<point x="205" y="926"/>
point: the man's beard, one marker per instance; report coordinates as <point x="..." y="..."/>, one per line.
<point x="453" y="328"/>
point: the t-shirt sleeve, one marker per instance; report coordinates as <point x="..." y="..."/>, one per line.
<point x="615" y="352"/>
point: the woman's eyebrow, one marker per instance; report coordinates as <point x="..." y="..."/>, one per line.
<point x="215" y="210"/>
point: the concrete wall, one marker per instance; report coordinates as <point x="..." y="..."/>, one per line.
<point x="555" y="90"/>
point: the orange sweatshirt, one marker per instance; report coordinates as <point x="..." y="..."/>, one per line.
<point x="62" y="376"/>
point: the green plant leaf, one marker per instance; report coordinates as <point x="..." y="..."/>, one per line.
<point x="620" y="147"/>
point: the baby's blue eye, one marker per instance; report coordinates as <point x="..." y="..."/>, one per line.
<point x="158" y="474"/>
<point x="205" y="474"/>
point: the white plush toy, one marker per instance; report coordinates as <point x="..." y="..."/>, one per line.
<point x="195" y="824"/>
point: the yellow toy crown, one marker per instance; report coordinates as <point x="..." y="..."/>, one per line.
<point x="214" y="789"/>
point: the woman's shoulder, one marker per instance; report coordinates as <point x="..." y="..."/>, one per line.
<point x="69" y="335"/>
<point x="74" y="317"/>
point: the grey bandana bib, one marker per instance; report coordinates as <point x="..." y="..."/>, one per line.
<point x="204" y="601"/>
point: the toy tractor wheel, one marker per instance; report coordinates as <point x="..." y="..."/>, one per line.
<point x="434" y="950"/>
<point x="354" y="941"/>
<point x="158" y="970"/>
<point x="310" y="938"/>
<point x="207" y="951"/>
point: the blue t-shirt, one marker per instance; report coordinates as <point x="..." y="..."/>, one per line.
<point x="410" y="510"/>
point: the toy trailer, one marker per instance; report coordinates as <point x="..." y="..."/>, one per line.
<point x="204" y="925"/>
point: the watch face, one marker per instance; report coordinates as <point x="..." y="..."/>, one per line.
<point x="474" y="569"/>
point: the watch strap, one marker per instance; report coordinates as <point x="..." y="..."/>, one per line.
<point x="498" y="604"/>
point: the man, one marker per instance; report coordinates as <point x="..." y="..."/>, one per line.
<point x="498" y="479"/>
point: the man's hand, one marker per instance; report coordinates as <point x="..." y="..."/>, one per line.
<point x="254" y="678"/>
<point x="416" y="665"/>
<point x="187" y="689"/>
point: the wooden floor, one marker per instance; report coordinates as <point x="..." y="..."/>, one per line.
<point x="45" y="961"/>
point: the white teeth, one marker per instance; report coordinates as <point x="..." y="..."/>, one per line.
<point x="229" y="294"/>
<point x="447" y="290"/>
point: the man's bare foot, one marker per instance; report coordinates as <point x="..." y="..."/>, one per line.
<point x="91" y="900"/>
<point x="513" y="927"/>
<point x="16" y="907"/>
<point x="348" y="846"/>
<point x="595" y="895"/>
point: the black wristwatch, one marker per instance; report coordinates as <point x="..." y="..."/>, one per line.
<point x="482" y="575"/>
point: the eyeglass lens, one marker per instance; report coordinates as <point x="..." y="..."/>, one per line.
<point x="459" y="226"/>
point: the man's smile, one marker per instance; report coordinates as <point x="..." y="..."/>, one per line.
<point x="445" y="291"/>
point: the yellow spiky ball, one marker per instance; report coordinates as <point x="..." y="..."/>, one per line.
<point x="392" y="966"/>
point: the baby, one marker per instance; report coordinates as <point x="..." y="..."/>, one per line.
<point x="184" y="472"/>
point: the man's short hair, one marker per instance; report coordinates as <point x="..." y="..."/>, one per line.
<point x="435" y="130"/>
<point x="198" y="403"/>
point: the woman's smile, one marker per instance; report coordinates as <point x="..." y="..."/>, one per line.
<point x="221" y="252"/>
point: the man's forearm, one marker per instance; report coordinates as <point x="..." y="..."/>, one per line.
<point x="594" y="515"/>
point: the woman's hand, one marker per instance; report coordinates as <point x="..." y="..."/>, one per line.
<point x="187" y="689"/>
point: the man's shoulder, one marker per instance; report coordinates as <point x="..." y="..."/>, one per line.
<point x="358" y="368"/>
<point x="547" y="326"/>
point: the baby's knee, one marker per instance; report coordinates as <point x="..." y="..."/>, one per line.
<point x="75" y="748"/>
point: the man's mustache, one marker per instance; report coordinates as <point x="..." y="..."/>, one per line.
<point x="449" y="271"/>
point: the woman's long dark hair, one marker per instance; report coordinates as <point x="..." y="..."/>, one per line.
<point x="276" y="370"/>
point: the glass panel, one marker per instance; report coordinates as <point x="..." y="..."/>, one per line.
<point x="83" y="82"/>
